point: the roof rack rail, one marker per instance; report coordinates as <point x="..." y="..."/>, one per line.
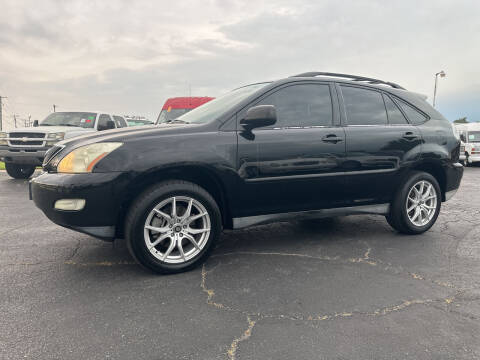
<point x="348" y="76"/>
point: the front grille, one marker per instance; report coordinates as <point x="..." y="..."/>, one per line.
<point x="27" y="135"/>
<point x="30" y="143"/>
<point x="26" y="139"/>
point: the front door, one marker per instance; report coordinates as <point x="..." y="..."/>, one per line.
<point x="295" y="164"/>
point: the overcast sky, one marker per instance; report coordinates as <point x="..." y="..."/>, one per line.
<point x="128" y="57"/>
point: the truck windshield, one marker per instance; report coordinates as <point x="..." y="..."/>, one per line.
<point x="173" y="114"/>
<point x="79" y="119"/>
<point x="213" y="109"/>
<point x="474" y="136"/>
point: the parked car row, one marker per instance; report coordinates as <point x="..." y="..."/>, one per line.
<point x="23" y="149"/>
<point x="470" y="146"/>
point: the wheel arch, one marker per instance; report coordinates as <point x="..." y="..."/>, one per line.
<point x="437" y="171"/>
<point x="197" y="174"/>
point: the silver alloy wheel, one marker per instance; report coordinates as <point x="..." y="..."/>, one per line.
<point x="177" y="229"/>
<point x="421" y="203"/>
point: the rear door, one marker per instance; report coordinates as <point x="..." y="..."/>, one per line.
<point x="380" y="143"/>
<point x="295" y="164"/>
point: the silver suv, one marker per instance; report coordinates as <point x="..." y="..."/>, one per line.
<point x="23" y="149"/>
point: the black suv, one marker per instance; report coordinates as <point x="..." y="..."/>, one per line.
<point x="308" y="146"/>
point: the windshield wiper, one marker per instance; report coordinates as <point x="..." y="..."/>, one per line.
<point x="176" y="121"/>
<point x="68" y="125"/>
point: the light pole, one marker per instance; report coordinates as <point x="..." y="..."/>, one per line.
<point x="442" y="74"/>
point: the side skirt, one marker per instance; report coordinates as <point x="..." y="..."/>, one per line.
<point x="243" y="222"/>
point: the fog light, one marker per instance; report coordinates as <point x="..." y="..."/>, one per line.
<point x="70" y="204"/>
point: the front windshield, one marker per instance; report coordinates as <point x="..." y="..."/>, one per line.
<point x="79" y="119"/>
<point x="474" y="136"/>
<point x="166" y="115"/>
<point x="213" y="109"/>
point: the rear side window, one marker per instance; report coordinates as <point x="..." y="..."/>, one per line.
<point x="103" y="120"/>
<point x="120" y="121"/>
<point x="413" y="114"/>
<point x="395" y="116"/>
<point x="364" y="107"/>
<point x="302" y="105"/>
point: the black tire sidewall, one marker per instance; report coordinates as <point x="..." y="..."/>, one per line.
<point x="146" y="202"/>
<point x="411" y="228"/>
<point x="19" y="171"/>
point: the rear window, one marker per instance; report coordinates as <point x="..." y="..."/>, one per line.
<point x="120" y="121"/>
<point x="415" y="116"/>
<point x="474" y="136"/>
<point x="364" y="107"/>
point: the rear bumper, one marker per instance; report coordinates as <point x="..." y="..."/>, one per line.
<point x="23" y="155"/>
<point x="454" y="174"/>
<point x="473" y="158"/>
<point x="102" y="193"/>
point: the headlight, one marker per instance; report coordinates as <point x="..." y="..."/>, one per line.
<point x="3" y="140"/>
<point x="56" y="136"/>
<point x="53" y="138"/>
<point x="83" y="159"/>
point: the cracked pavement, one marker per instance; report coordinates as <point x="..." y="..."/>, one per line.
<point x="337" y="288"/>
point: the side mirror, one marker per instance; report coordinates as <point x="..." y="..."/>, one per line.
<point x="259" y="116"/>
<point x="462" y="137"/>
<point x="107" y="126"/>
<point x="35" y="123"/>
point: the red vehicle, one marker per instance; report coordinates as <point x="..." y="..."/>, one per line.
<point x="175" y="107"/>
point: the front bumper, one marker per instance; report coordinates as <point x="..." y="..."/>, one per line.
<point x="103" y="194"/>
<point x="454" y="174"/>
<point x="30" y="156"/>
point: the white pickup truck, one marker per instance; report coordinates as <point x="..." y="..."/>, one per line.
<point x="23" y="149"/>
<point x="470" y="145"/>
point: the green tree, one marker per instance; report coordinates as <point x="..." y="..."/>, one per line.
<point x="461" y="121"/>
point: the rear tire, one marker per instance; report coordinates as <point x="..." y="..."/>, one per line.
<point x="172" y="227"/>
<point x="412" y="214"/>
<point x="19" y="171"/>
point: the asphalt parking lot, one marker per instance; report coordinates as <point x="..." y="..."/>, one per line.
<point x="347" y="288"/>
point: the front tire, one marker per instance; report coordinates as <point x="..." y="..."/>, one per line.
<point x="172" y="227"/>
<point x="416" y="205"/>
<point x="19" y="171"/>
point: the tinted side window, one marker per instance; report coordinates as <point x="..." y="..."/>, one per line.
<point x="103" y="119"/>
<point x="395" y="116"/>
<point x="302" y="105"/>
<point x="364" y="107"/>
<point x="120" y="121"/>
<point x="413" y="114"/>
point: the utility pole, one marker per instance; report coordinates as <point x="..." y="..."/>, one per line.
<point x="54" y="107"/>
<point x="15" y="120"/>
<point x="1" y="112"/>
